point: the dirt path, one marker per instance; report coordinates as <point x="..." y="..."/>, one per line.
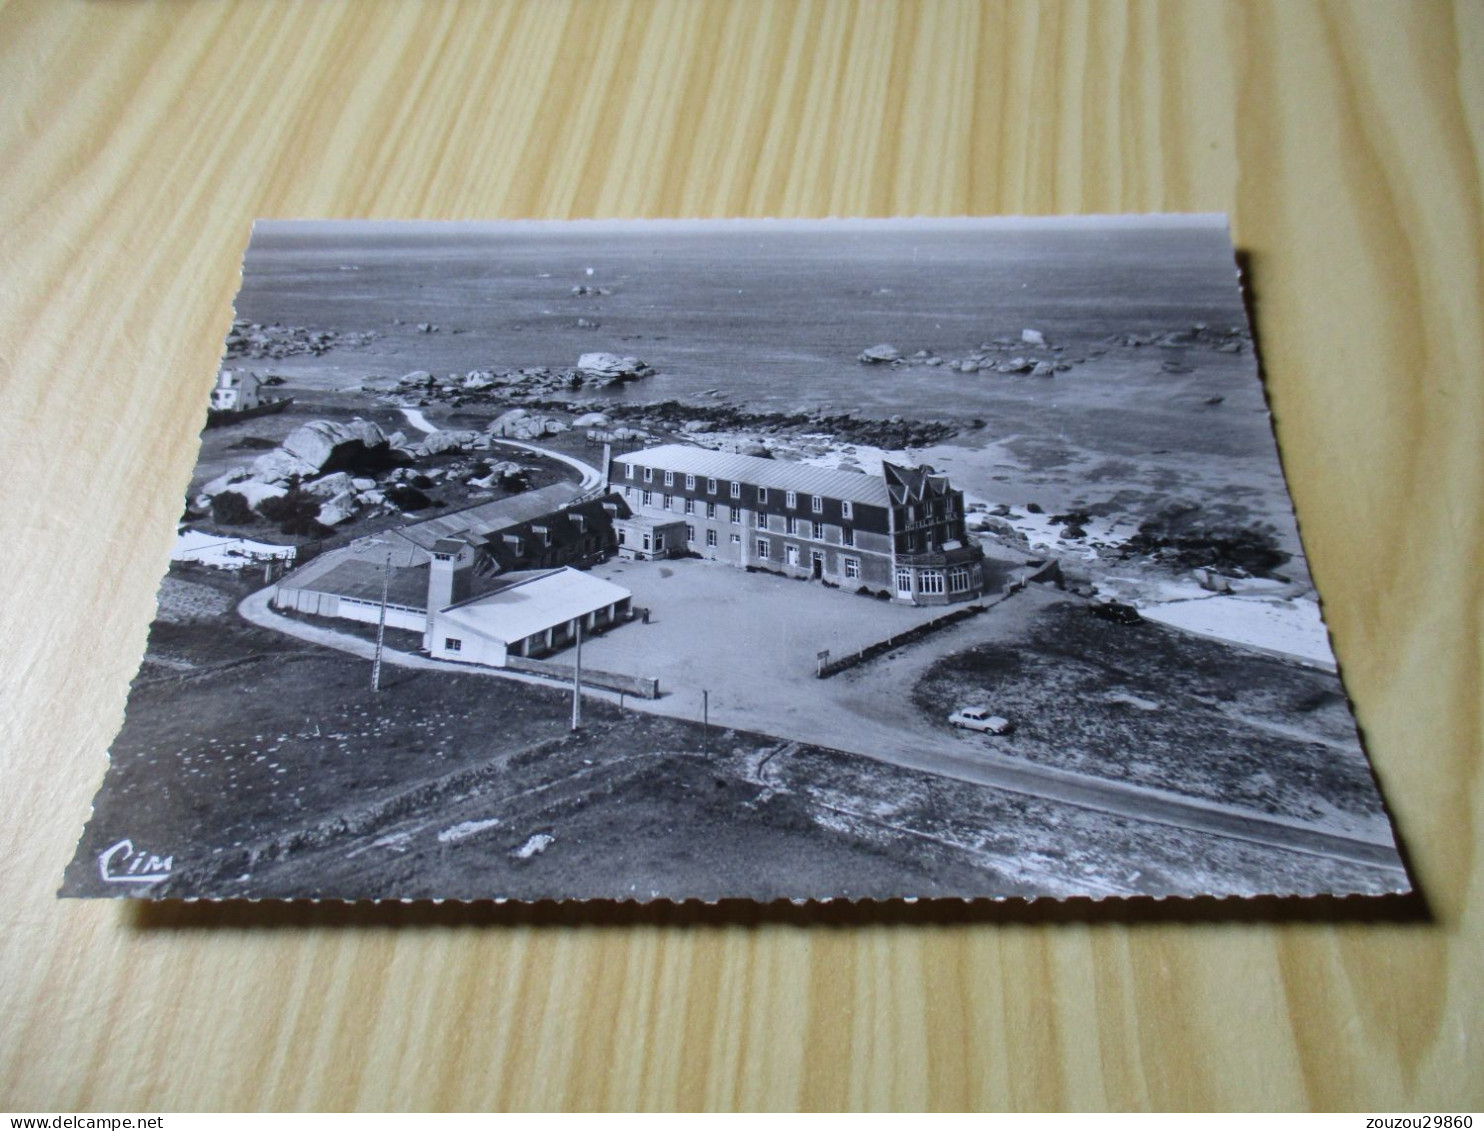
<point x="862" y="722"/>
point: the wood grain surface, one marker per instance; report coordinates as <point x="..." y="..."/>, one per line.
<point x="138" y="141"/>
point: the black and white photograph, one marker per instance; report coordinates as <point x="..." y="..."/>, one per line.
<point x="702" y="560"/>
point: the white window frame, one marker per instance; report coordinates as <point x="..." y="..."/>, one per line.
<point x="711" y="538"/>
<point x="690" y="505"/>
<point x="647" y="499"/>
<point x="710" y="486"/>
<point x="931" y="581"/>
<point x="690" y="482"/>
<point x="690" y="533"/>
<point x="852" y="569"/>
<point x="649" y="475"/>
<point x="958" y="579"/>
<point x="628" y="471"/>
<point x="669" y="479"/>
<point x="764" y="548"/>
<point x="790" y="525"/>
<point x="736" y="539"/>
<point x="845" y="509"/>
<point x="453" y="643"/>
<point x="762" y="495"/>
<point x="790" y="499"/>
<point x="816" y="530"/>
<point x="816" y="504"/>
<point x="736" y="489"/>
<point x="710" y="510"/>
<point x="735" y="515"/>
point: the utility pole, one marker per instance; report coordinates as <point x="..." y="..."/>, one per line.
<point x="386" y="583"/>
<point x="577" y="680"/>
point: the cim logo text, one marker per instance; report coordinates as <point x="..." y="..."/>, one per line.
<point x="121" y="864"/>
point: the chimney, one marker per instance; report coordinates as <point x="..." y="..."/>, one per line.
<point x="607" y="464"/>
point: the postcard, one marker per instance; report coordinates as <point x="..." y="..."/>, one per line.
<point x="682" y="560"/>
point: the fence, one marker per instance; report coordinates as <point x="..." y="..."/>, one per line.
<point x="912" y="635"/>
<point x="609" y="681"/>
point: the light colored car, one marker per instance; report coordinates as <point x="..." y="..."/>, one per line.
<point x="979" y="718"/>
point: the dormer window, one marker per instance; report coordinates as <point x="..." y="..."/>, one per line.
<point x="791" y="500"/>
<point x="669" y="479"/>
<point x="711" y="486"/>
<point x="690" y="482"/>
<point x="762" y="494"/>
<point x="816" y="504"/>
<point x="628" y="471"/>
<point x="649" y="475"/>
<point x="736" y="490"/>
<point x="845" y="510"/>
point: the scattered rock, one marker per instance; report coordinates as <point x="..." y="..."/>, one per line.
<point x="338" y="509"/>
<point x="883" y="354"/>
<point x="252" y="339"/>
<point x="1033" y="338"/>
<point x="591" y="420"/>
<point x="612" y="367"/>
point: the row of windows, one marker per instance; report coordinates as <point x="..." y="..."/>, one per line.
<point x="795" y="526"/>
<point x="932" y="580"/>
<point x="734" y="490"/>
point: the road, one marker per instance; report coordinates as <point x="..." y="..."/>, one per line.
<point x="912" y="749"/>
<point x="592" y="478"/>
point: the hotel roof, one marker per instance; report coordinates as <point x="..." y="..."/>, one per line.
<point x="783" y="475"/>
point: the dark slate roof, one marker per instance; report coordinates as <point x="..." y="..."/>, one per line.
<point x="477" y="522"/>
<point x="783" y="475"/>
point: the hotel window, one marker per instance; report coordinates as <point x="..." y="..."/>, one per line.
<point x="845" y="510"/>
<point x="710" y="510"/>
<point x="648" y="541"/>
<point x="690" y="533"/>
<point x="762" y="548"/>
<point x="762" y="494"/>
<point x="666" y="504"/>
<point x="690" y="506"/>
<point x="736" y="539"/>
<point x="791" y="499"/>
<point x="904" y="581"/>
<point x="711" y="538"/>
<point x="816" y="504"/>
<point x="711" y="486"/>
<point x="931" y="580"/>
<point x="690" y="482"/>
<point x="647" y="498"/>
<point x="628" y="492"/>
<point x="736" y="490"/>
<point x="649" y="475"/>
<point x="736" y="515"/>
<point x="452" y="644"/>
<point x="847" y="536"/>
<point x="817" y="531"/>
<point x="628" y="471"/>
<point x="669" y="479"/>
<point x="659" y="542"/>
<point x="958" y="579"/>
<point x="911" y="542"/>
<point x="852" y="568"/>
<point x="790" y="525"/>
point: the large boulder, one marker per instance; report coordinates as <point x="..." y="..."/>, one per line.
<point x="435" y="443"/>
<point x="590" y="420"/>
<point x="324" y="446"/>
<point x="334" y="511"/>
<point x="328" y="486"/>
<point x="613" y="367"/>
<point x="417" y="379"/>
<point x="1033" y="338"/>
<point x="518" y="424"/>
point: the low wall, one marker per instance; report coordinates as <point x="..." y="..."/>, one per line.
<point x="871" y="651"/>
<point x="609" y="681"/>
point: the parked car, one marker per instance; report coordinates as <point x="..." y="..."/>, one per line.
<point x="979" y="718"/>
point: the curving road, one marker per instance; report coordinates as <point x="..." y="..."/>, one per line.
<point x="592" y="478"/>
<point x="988" y="769"/>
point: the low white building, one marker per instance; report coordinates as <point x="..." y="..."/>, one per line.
<point x="532" y="615"/>
<point x="236" y="391"/>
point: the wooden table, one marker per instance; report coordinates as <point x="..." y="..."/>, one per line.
<point x="139" y="140"/>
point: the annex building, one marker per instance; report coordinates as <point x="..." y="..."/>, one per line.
<point x="479" y="583"/>
<point x="901" y="532"/>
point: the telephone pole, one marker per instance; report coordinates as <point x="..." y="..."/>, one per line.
<point x="577" y="680"/>
<point x="386" y="584"/>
